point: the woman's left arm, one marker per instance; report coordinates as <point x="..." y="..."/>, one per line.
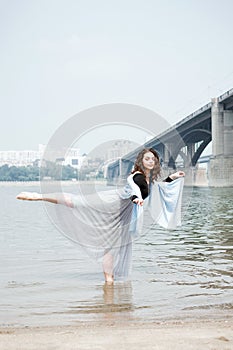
<point x="174" y="176"/>
<point x="177" y="175"/>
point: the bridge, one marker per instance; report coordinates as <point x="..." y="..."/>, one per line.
<point x="182" y="144"/>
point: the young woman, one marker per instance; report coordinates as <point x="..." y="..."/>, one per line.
<point x="147" y="170"/>
<point x="106" y="224"/>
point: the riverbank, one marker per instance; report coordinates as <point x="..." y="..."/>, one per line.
<point x="201" y="335"/>
<point x="37" y="183"/>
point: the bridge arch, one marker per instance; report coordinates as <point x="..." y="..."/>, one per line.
<point x="190" y="139"/>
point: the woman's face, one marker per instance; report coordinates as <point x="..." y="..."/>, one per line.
<point x="148" y="160"/>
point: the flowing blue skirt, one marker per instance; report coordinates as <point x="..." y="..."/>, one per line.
<point x="106" y="223"/>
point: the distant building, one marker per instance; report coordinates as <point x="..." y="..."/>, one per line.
<point x="29" y="157"/>
<point x="107" y="153"/>
<point x="120" y="148"/>
<point x="19" y="158"/>
<point x="73" y="158"/>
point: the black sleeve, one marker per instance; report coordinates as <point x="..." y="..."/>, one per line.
<point x="140" y="180"/>
<point x="168" y="179"/>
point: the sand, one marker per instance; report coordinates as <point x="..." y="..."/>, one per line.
<point x="197" y="335"/>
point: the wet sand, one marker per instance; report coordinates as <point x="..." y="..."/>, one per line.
<point x="196" y="335"/>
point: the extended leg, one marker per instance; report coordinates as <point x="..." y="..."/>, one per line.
<point x="55" y="198"/>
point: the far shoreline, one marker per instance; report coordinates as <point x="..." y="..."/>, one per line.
<point x="65" y="182"/>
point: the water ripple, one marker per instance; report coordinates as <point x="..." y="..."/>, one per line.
<point x="174" y="272"/>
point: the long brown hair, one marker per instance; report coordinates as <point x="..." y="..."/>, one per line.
<point x="138" y="165"/>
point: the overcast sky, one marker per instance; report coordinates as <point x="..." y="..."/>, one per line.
<point x="59" y="57"/>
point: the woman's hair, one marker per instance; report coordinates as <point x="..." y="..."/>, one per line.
<point x="138" y="165"/>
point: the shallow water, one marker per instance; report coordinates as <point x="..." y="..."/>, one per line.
<point x="46" y="279"/>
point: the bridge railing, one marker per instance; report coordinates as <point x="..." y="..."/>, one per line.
<point x="225" y="95"/>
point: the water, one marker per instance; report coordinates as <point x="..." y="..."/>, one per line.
<point x="47" y="280"/>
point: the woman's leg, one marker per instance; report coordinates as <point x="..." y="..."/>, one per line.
<point x="108" y="267"/>
<point x="55" y="198"/>
<point x="29" y="196"/>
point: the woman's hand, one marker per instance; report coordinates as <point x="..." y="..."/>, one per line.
<point x="138" y="201"/>
<point x="176" y="175"/>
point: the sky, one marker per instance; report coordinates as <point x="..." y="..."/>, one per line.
<point x="60" y="57"/>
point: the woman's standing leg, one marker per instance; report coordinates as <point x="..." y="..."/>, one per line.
<point x="108" y="267"/>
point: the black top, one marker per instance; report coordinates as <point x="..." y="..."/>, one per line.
<point x="140" y="180"/>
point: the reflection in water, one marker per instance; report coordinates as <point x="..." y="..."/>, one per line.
<point x="117" y="298"/>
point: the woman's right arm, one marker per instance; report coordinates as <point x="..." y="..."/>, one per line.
<point x="140" y="181"/>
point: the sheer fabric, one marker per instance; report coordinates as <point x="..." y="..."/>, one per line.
<point x="106" y="223"/>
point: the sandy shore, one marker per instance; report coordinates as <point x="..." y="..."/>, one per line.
<point x="203" y="335"/>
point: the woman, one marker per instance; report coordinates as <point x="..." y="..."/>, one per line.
<point x="111" y="221"/>
<point x="146" y="170"/>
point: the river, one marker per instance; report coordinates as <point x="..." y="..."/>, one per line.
<point x="48" y="280"/>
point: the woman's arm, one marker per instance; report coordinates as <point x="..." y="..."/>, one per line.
<point x="176" y="175"/>
<point x="138" y="201"/>
<point x="140" y="180"/>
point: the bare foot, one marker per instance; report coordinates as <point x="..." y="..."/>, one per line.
<point x="29" y="196"/>
<point x="108" y="278"/>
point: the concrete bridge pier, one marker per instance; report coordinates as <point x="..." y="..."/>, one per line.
<point x="113" y="175"/>
<point x="221" y="163"/>
<point x="189" y="168"/>
<point x="189" y="175"/>
<point x="190" y="153"/>
<point x="125" y="167"/>
<point x="166" y="154"/>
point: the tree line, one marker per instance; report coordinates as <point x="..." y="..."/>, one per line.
<point x="51" y="171"/>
